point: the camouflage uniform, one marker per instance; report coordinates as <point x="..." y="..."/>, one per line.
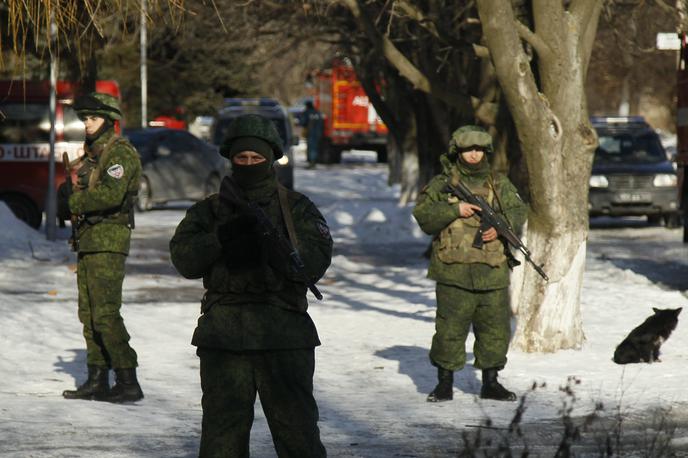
<point x="471" y="283"/>
<point x="254" y="334"/>
<point x="107" y="182"/>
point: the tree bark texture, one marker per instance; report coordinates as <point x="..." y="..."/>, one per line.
<point x="549" y="109"/>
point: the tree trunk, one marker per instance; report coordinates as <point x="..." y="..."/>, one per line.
<point x="557" y="141"/>
<point x="409" y="164"/>
<point x="394" y="159"/>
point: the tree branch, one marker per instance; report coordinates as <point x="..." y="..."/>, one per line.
<point x="403" y="65"/>
<point x="481" y="51"/>
<point x="548" y="17"/>
<point x="588" y="12"/>
<point x="542" y="48"/>
<point x="508" y="56"/>
<point x="418" y="16"/>
<point x="582" y="10"/>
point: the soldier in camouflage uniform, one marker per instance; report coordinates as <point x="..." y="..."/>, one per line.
<point x="472" y="284"/>
<point x="254" y="334"/>
<point x="107" y="182"/>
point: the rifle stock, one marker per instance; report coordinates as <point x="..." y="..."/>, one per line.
<point x="490" y="218"/>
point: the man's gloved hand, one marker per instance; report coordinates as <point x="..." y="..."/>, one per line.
<point x="241" y="242"/>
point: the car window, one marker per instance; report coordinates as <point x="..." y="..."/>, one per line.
<point x="144" y="143"/>
<point x="222" y="126"/>
<point x="629" y="148"/>
<point x="195" y="143"/>
<point x="220" y="131"/>
<point x="73" y="127"/>
<point x="24" y="123"/>
<point x="181" y="142"/>
<point x="281" y="130"/>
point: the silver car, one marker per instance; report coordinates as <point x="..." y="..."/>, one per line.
<point x="176" y="166"/>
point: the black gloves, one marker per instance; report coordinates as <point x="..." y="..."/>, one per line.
<point x="242" y="245"/>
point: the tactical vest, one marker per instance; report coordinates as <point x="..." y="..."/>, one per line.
<point x="455" y="242"/>
<point x="88" y="177"/>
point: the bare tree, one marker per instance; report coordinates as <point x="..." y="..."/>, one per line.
<point x="546" y="98"/>
<point x="83" y="29"/>
<point x="528" y="61"/>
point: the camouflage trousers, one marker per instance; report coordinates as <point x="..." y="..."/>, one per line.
<point x="99" y="279"/>
<point x="284" y="381"/>
<point x="457" y="310"/>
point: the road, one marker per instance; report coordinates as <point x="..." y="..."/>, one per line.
<point x="655" y="252"/>
<point x="651" y="251"/>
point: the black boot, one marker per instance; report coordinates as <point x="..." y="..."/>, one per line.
<point x="97" y="384"/>
<point x="126" y="388"/>
<point x="492" y="389"/>
<point x="444" y="391"/>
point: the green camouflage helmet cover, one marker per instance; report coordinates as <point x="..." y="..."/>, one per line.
<point x="253" y="125"/>
<point x="98" y="104"/>
<point x="467" y="136"/>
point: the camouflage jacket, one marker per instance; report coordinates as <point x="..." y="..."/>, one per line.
<point x="251" y="309"/>
<point x="106" y="180"/>
<point x="435" y="210"/>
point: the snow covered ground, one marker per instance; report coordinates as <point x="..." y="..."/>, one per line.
<point x="376" y="323"/>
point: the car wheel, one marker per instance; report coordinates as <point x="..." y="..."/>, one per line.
<point x="328" y="153"/>
<point x="654" y="220"/>
<point x="212" y="185"/>
<point x="144" y="202"/>
<point x="381" y="155"/>
<point x="673" y="220"/>
<point x="24" y="209"/>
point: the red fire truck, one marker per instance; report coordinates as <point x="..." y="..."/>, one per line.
<point x="351" y="121"/>
<point x="682" y="132"/>
<point x="24" y="141"/>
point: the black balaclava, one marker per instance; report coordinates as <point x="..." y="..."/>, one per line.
<point x="250" y="176"/>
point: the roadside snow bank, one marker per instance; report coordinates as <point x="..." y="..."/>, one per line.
<point x="20" y="241"/>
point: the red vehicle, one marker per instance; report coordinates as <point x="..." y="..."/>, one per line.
<point x="682" y="132"/>
<point x="168" y="122"/>
<point x="350" y="119"/>
<point x="25" y="137"/>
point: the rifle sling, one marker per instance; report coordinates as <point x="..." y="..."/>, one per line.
<point x="490" y="181"/>
<point x="102" y="161"/>
<point x="286" y="216"/>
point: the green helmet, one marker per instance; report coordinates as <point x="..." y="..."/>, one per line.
<point x="467" y="136"/>
<point x="98" y="104"/>
<point x="253" y="125"/>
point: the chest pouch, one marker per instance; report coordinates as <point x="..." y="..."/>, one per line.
<point x="455" y="242"/>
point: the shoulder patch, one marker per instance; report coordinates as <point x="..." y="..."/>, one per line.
<point x="323" y="229"/>
<point x="116" y="171"/>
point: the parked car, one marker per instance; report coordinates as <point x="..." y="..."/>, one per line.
<point x="631" y="173"/>
<point x="271" y="109"/>
<point x="176" y="166"/>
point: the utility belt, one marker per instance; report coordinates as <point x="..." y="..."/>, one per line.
<point x="122" y="215"/>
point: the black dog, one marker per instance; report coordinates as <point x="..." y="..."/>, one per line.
<point x="642" y="344"/>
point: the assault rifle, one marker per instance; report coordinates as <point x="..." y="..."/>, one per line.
<point x="73" y="240"/>
<point x="270" y="233"/>
<point x="490" y="218"/>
